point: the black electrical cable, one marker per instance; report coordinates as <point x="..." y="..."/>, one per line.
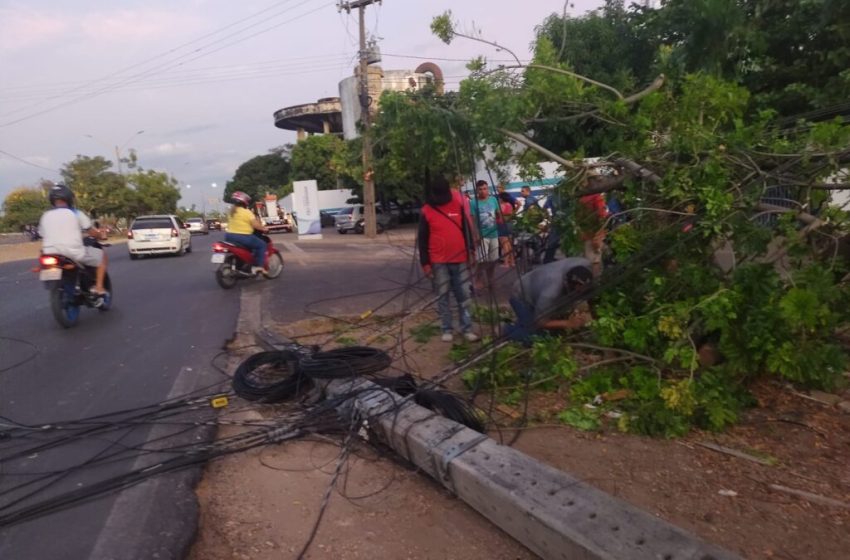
<point x="270" y="377"/>
<point x="350" y="361"/>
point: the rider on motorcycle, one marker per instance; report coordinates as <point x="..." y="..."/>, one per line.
<point x="240" y="229"/>
<point x="60" y="229"/>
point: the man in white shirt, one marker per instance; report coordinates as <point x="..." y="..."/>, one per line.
<point x="61" y="230"/>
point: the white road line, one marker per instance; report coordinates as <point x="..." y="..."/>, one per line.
<point x="133" y="505"/>
<point x="295" y="252"/>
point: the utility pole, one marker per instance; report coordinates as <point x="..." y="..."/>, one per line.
<point x="368" y="184"/>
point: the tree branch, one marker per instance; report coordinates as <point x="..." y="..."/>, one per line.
<point x="654" y="86"/>
<point x="491" y="43"/>
<point x="558" y="71"/>
<point x="526" y="141"/>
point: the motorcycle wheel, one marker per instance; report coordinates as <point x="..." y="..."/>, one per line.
<point x="275" y="266"/>
<point x="65" y="313"/>
<point x="226" y="276"/>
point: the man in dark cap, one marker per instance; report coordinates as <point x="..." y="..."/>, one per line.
<point x="445" y="245"/>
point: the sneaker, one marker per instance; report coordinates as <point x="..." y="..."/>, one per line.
<point x="447" y="337"/>
<point x="256" y="269"/>
<point x="98" y="299"/>
<point x="470" y="337"/>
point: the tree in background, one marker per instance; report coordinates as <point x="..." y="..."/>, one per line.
<point x="313" y="158"/>
<point x="260" y="174"/>
<point x="23" y="206"/>
<point x="156" y="192"/>
<point x="793" y="56"/>
<point x="97" y="189"/>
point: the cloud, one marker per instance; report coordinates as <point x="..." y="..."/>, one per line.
<point x="169" y="149"/>
<point x="22" y="29"/>
<point x="193" y="129"/>
<point x="136" y="25"/>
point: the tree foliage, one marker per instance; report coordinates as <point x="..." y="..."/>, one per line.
<point x="314" y="157"/>
<point x="266" y="173"/>
<point x="155" y="192"/>
<point x="23" y="206"/>
<point x="100" y="191"/>
<point x="702" y="158"/>
<point x="97" y="188"/>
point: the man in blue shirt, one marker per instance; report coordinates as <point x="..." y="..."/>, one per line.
<point x="485" y="210"/>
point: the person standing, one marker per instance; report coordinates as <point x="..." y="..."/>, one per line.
<point x="528" y="199"/>
<point x="507" y="205"/>
<point x="445" y="243"/>
<point x="485" y="212"/>
<point x="591" y="214"/>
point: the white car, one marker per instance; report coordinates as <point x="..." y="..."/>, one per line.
<point x="151" y="235"/>
<point x="197" y="225"/>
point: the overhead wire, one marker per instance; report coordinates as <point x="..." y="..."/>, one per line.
<point x="168" y="65"/>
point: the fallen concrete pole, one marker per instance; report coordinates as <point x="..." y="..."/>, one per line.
<point x="550" y="512"/>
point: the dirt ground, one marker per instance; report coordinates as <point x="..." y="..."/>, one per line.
<point x="262" y="505"/>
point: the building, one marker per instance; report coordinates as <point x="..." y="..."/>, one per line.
<point x="339" y="115"/>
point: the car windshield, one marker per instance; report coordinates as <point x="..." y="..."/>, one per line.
<point x="346" y="211"/>
<point x="153" y="223"/>
<point x="195" y="221"/>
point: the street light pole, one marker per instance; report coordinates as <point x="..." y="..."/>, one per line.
<point x="117" y="148"/>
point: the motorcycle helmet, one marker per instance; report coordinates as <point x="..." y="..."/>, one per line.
<point x="61" y="192"/>
<point x="241" y="198"/>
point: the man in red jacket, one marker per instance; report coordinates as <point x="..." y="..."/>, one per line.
<point x="445" y="245"/>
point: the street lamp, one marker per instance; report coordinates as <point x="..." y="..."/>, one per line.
<point x="118" y="149"/>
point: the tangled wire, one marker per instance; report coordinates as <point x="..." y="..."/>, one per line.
<point x="277" y="376"/>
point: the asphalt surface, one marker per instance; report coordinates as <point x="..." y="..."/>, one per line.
<point x="344" y="275"/>
<point x="169" y="320"/>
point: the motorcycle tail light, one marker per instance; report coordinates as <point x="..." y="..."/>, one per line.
<point x="218" y="248"/>
<point x="48" y="261"/>
<point x="129" y="234"/>
<point x="174" y="232"/>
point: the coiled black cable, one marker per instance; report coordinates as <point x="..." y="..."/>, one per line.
<point x="270" y="377"/>
<point x="351" y="361"/>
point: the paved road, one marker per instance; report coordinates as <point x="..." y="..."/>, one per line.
<point x="170" y="318"/>
<point x="345" y="275"/>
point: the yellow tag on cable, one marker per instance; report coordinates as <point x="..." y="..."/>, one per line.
<point x="219" y="402"/>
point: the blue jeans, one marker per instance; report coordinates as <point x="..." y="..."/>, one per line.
<point x="452" y="278"/>
<point x="249" y="241"/>
<point x="524" y="327"/>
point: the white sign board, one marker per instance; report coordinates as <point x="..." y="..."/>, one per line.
<point x="305" y="205"/>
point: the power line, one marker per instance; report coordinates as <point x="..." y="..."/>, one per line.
<point x="22" y="160"/>
<point x="247" y="71"/>
<point x="135" y="77"/>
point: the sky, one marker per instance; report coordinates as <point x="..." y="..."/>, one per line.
<point x="192" y="85"/>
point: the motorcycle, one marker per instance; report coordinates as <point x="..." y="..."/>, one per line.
<point x="235" y="262"/>
<point x="69" y="284"/>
